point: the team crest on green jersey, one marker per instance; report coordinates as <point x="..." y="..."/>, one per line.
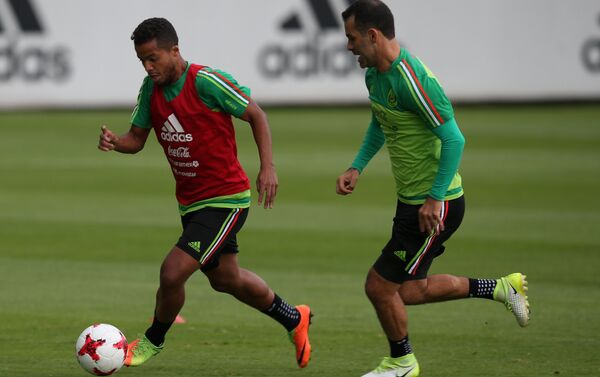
<point x="391" y="99"/>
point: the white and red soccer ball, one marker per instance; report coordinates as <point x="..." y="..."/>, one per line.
<point x="101" y="349"/>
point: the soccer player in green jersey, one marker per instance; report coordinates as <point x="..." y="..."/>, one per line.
<point x="414" y="118"/>
<point x="190" y="109"/>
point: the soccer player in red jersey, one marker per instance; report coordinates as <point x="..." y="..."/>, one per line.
<point x="190" y="108"/>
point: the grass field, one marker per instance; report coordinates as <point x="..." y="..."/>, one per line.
<point x="82" y="234"/>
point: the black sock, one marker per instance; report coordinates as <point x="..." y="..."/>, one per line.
<point x="283" y="313"/>
<point x="157" y="331"/>
<point x="400" y="347"/>
<point x="482" y="288"/>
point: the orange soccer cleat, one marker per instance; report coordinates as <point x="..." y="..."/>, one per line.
<point x="299" y="336"/>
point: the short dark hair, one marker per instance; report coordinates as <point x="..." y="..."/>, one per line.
<point x="155" y="28"/>
<point x="371" y="14"/>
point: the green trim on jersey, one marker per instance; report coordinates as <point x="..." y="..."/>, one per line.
<point x="217" y="89"/>
<point x="239" y="200"/>
<point x="173" y="90"/>
<point x="427" y="96"/>
<point x="409" y="106"/>
<point x="420" y="199"/>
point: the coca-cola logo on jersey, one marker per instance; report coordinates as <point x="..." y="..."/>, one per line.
<point x="181" y="152"/>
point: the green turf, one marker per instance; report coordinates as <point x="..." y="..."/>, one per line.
<point x="82" y="234"/>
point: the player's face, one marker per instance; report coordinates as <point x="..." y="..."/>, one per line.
<point x="159" y="63"/>
<point x="360" y="44"/>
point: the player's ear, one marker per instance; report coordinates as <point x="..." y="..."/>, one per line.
<point x="372" y="35"/>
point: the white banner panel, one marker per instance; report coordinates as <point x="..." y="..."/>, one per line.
<point x="78" y="53"/>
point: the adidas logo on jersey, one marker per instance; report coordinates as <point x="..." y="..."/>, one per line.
<point x="173" y="131"/>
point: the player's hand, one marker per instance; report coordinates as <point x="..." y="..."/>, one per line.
<point x="267" y="186"/>
<point x="347" y="181"/>
<point x="430" y="217"/>
<point x="107" y="140"/>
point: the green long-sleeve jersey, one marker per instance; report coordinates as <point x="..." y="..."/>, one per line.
<point x="414" y="118"/>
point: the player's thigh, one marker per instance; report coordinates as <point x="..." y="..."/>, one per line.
<point x="378" y="287"/>
<point x="226" y="273"/>
<point x="409" y="253"/>
<point x="402" y="246"/>
<point x="177" y="267"/>
<point x="413" y="292"/>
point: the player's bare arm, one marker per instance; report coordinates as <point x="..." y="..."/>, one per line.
<point x="347" y="181"/>
<point x="131" y="142"/>
<point x="266" y="182"/>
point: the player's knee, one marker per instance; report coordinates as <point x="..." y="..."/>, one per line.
<point x="414" y="292"/>
<point x="224" y="284"/>
<point x="170" y="279"/>
<point x="174" y="273"/>
<point x="220" y="286"/>
<point x="374" y="291"/>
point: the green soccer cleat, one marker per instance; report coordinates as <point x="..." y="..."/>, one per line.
<point x="512" y="291"/>
<point x="405" y="366"/>
<point x="140" y="350"/>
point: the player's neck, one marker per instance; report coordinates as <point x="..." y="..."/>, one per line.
<point x="180" y="68"/>
<point x="389" y="53"/>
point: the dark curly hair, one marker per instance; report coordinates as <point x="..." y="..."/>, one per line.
<point x="155" y="28"/>
<point x="371" y="14"/>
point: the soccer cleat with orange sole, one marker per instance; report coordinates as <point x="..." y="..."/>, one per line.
<point x="299" y="336"/>
<point x="139" y="351"/>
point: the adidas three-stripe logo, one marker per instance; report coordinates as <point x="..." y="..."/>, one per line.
<point x="27" y="20"/>
<point x="195" y="245"/>
<point x="324" y="13"/>
<point x="172" y="130"/>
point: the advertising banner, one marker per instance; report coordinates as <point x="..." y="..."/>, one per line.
<point x="73" y="53"/>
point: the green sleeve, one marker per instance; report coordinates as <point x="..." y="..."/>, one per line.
<point x="372" y="143"/>
<point x="452" y="148"/>
<point x="221" y="92"/>
<point x="423" y="94"/>
<point x="141" y="113"/>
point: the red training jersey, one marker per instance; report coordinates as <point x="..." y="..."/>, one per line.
<point x="199" y="144"/>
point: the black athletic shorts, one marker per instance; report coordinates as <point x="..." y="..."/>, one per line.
<point x="410" y="252"/>
<point x="210" y="232"/>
